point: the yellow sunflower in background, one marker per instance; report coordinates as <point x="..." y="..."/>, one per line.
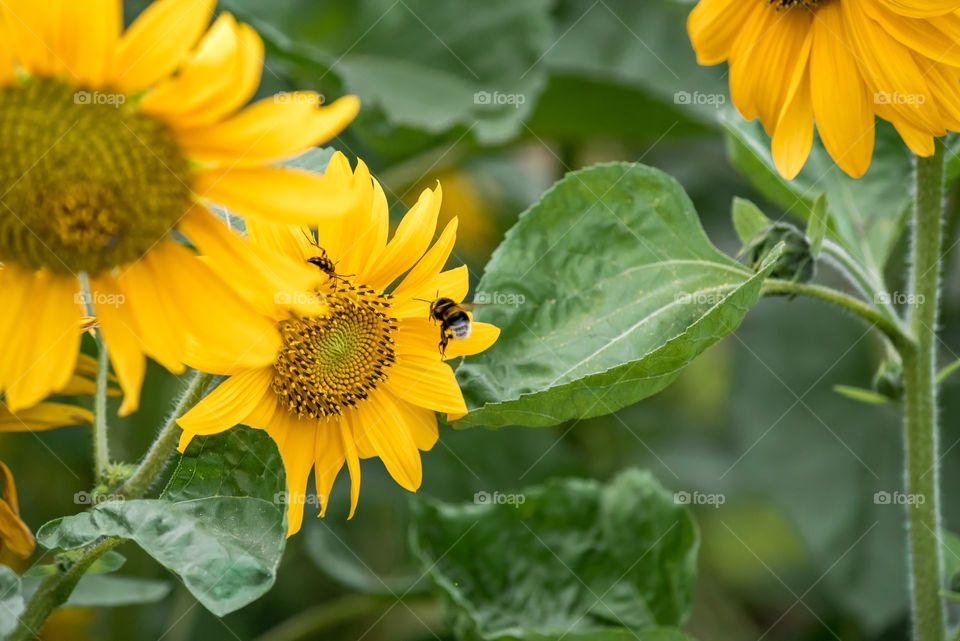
<point x="113" y="141"/>
<point x="839" y="62"/>
<point x="365" y="377"/>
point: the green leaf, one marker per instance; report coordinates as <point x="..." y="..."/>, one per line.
<point x="219" y="525"/>
<point x="103" y="591"/>
<point x="817" y="227"/>
<point x="109" y="562"/>
<point x="866" y="215"/>
<point x="241" y="462"/>
<point x="11" y="601"/>
<point x="571" y="557"/>
<point x="618" y="288"/>
<point x="861" y="395"/>
<point x="225" y="549"/>
<point x="425" y="65"/>
<point x="950" y="543"/>
<point x="947" y="370"/>
<point x="748" y="220"/>
<point x="638" y="44"/>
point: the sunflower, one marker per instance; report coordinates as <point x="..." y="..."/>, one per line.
<point x="365" y="377"/>
<point x="839" y="62"/>
<point x="114" y="143"/>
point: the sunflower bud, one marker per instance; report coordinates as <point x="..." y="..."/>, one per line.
<point x="796" y="263"/>
<point x="888" y="381"/>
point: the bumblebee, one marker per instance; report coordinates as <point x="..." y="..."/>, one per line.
<point x="453" y="318"/>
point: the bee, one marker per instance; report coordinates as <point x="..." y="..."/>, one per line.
<point x="453" y="318"/>
<point x="322" y="261"/>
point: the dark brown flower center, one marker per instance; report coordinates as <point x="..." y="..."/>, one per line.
<point x="331" y="362"/>
<point x="86" y="183"/>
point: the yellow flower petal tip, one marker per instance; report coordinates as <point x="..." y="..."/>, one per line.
<point x="839" y="63"/>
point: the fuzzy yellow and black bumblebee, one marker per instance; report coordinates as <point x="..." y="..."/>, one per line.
<point x="453" y="318"/>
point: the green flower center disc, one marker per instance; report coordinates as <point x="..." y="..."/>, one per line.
<point x="331" y="362"/>
<point x="86" y="183"/>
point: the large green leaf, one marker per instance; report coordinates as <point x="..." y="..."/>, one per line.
<point x="225" y="549"/>
<point x="11" y="601"/>
<point x="241" y="462"/>
<point x="220" y="525"/>
<point x="866" y="215"/>
<point x="618" y="287"/>
<point x="430" y="66"/>
<point x="572" y="557"/>
<point x="104" y="591"/>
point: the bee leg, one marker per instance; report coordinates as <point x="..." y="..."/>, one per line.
<point x="444" y="339"/>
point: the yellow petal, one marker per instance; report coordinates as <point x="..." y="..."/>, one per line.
<point x="347" y="425"/>
<point x="421" y="422"/>
<point x="408" y="244"/>
<point x="121" y="335"/>
<point x="229" y="404"/>
<point x="158" y="41"/>
<point x="424" y="274"/>
<point x="14" y="533"/>
<point x="33" y="30"/>
<point x="43" y="417"/>
<point x="280" y="195"/>
<point x="296" y="441"/>
<point x="891" y="72"/>
<point x="273" y="129"/>
<point x="238" y="86"/>
<point x="842" y="104"/>
<point x="329" y="460"/>
<point x="482" y="336"/>
<point x="935" y="39"/>
<point x="922" y="8"/>
<point x="794" y="133"/>
<point x="714" y="25"/>
<point x="427" y="382"/>
<point x="88" y="39"/>
<point x="51" y="340"/>
<point x="453" y="283"/>
<point x="201" y="75"/>
<point x="383" y="425"/>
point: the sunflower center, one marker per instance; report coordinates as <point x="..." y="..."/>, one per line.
<point x="331" y="362"/>
<point x="86" y="183"/>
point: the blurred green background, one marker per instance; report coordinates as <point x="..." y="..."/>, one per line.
<point x="798" y="551"/>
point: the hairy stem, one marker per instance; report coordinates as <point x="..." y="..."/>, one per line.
<point x="156" y="458"/>
<point x="920" y="439"/>
<point x="101" y="443"/>
<point x="890" y="328"/>
<point x="56" y="589"/>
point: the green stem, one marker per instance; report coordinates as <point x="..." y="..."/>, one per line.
<point x="865" y="281"/>
<point x="101" y="443"/>
<point x="870" y="314"/>
<point x="919" y="363"/>
<point x="156" y="458"/>
<point x="55" y="590"/>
